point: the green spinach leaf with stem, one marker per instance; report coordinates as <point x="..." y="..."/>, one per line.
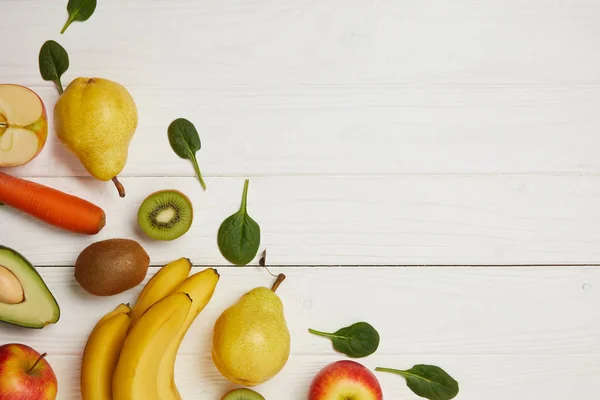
<point x="185" y="142"/>
<point x="79" y="10"/>
<point x="357" y="340"/>
<point x="428" y="381"/>
<point x="54" y="62"/>
<point x="239" y="235"/>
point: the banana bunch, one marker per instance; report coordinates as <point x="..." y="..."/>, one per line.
<point x="130" y="354"/>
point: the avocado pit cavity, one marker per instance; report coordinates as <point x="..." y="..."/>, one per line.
<point x="11" y="290"/>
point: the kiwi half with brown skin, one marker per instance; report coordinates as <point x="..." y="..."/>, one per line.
<point x="166" y="215"/>
<point x="243" y="394"/>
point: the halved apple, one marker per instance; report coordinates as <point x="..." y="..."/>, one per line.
<point x="23" y="125"/>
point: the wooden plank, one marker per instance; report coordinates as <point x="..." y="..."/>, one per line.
<point x="356" y="130"/>
<point x="300" y="42"/>
<point x="386" y="132"/>
<point x="343" y="87"/>
<point x="490" y="377"/>
<point x="476" y="323"/>
<point x="370" y="220"/>
<point x="520" y="310"/>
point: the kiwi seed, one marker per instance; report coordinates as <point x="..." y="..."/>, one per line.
<point x="243" y="394"/>
<point x="166" y="215"/>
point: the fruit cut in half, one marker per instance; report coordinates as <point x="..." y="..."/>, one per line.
<point x="166" y="215"/>
<point x="25" y="300"/>
<point x="23" y="125"/>
<point x="243" y="394"/>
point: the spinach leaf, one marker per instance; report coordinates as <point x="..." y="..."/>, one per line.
<point x="185" y="142"/>
<point x="54" y="62"/>
<point x="428" y="381"/>
<point x="79" y="10"/>
<point x="357" y="340"/>
<point x="239" y="235"/>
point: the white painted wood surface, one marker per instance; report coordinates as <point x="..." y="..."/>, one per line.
<point x="374" y="133"/>
<point x="372" y="220"/>
<point x="504" y="333"/>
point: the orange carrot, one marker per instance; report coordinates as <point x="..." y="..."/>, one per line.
<point x="51" y="206"/>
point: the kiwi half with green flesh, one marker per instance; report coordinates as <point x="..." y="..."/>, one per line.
<point x="166" y="215"/>
<point x="243" y="394"/>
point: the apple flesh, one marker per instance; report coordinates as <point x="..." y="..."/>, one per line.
<point x="23" y="125"/>
<point x="25" y="374"/>
<point x="345" y="380"/>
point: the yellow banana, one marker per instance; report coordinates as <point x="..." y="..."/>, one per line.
<point x="137" y="369"/>
<point x="121" y="309"/>
<point x="101" y="354"/>
<point x="200" y="287"/>
<point x="161" y="284"/>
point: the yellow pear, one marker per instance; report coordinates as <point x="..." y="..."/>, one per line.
<point x="251" y="342"/>
<point x="96" y="119"/>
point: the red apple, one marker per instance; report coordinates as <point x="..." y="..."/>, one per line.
<point x="25" y="374"/>
<point x="23" y="125"/>
<point x="346" y="380"/>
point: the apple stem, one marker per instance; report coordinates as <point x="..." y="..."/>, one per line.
<point x="119" y="186"/>
<point x="37" y="362"/>
<point x="280" y="278"/>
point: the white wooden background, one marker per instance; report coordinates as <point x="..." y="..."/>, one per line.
<point x="375" y="133"/>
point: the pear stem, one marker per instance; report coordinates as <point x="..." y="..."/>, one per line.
<point x="119" y="186"/>
<point x="37" y="362"/>
<point x="280" y="279"/>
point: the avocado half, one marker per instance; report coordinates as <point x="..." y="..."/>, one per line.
<point x="39" y="308"/>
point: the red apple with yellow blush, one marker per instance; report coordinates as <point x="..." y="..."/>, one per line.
<point x="347" y="380"/>
<point x="25" y="374"/>
<point x="23" y="125"/>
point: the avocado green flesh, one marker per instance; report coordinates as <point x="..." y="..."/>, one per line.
<point x="39" y="307"/>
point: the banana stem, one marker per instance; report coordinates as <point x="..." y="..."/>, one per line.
<point x="119" y="186"/>
<point x="280" y="279"/>
<point x="37" y="362"/>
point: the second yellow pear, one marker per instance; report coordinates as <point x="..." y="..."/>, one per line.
<point x="96" y="119"/>
<point x="251" y="340"/>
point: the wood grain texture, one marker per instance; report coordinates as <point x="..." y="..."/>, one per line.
<point x="267" y="131"/>
<point x="298" y="42"/>
<point x="349" y="220"/>
<point x="502" y="332"/>
<point x="374" y="132"/>
<point x="538" y="377"/>
<point x="336" y="87"/>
